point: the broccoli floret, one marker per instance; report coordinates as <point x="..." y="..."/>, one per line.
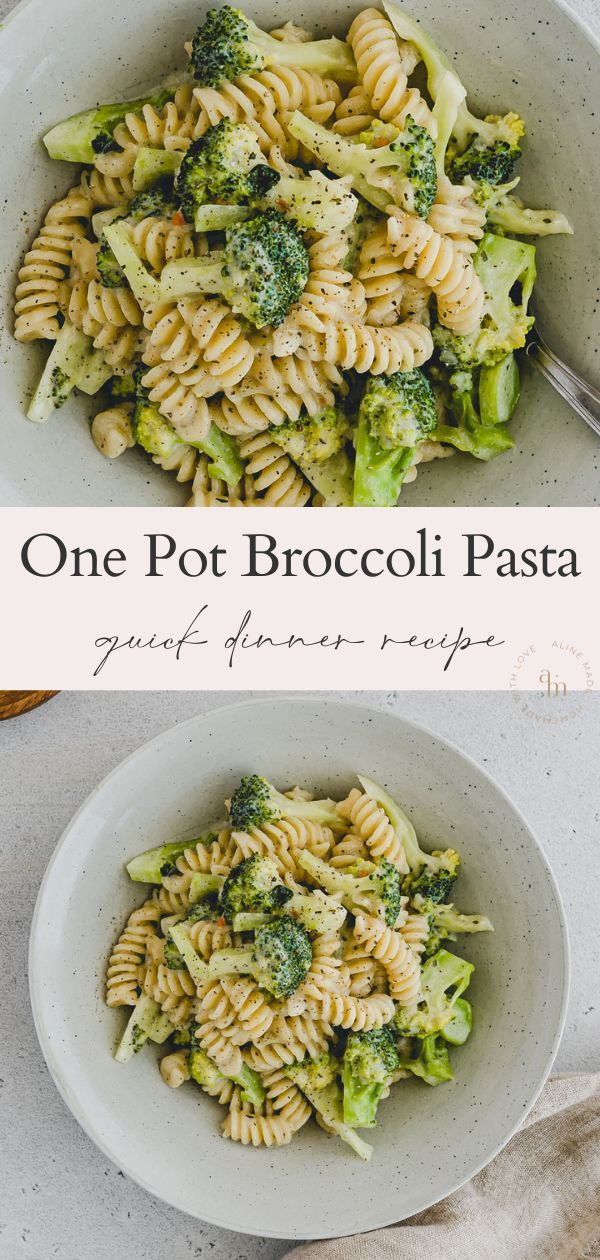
<point x="72" y="362"/>
<point x="434" y="885"/>
<point x="261" y="271"/>
<point x="158" y="202"/>
<point x="110" y="272"/>
<point x="204" y="1071"/>
<point x="252" y="886"/>
<point x="226" y="165"/>
<point x="173" y="959"/>
<point x="253" y="892"/>
<point x="396" y="413"/>
<point x="376" y="888"/>
<point x="429" y="1060"/>
<point x="82" y="136"/>
<point x="415" y="856"/>
<point x="446" y="923"/>
<point x="156" y="435"/>
<point x="318" y="445"/>
<point x="444" y="978"/>
<point x="317" y="1080"/>
<point x="402" y="171"/>
<point x="483" y="163"/>
<point x="229" y="44"/>
<point x="400" y="409"/>
<point x="278" y="958"/>
<point x="152" y="431"/>
<point x="369" y="1060"/>
<point x="256" y="801"/>
<point x="221" y="165"/>
<point x="122" y="389"/>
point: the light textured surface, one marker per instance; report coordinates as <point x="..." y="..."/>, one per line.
<point x="61" y="1198"/>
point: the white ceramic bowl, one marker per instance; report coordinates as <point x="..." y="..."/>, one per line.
<point x="428" y="1141"/>
<point x="57" y="58"/>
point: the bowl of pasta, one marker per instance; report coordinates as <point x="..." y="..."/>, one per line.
<point x="319" y="967"/>
<point x="294" y="265"/>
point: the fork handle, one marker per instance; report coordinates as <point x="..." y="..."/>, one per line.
<point x="581" y="396"/>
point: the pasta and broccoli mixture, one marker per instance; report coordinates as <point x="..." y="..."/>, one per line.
<point x="295" y="959"/>
<point x="294" y="273"/>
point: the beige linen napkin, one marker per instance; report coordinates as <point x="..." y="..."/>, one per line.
<point x="538" y="1200"/>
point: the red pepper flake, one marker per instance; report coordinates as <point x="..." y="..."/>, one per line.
<point x="178" y="219"/>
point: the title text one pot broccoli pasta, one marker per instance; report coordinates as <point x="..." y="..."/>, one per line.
<point x="295" y="958"/>
<point x="293" y="274"/>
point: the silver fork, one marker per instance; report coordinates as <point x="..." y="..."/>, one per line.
<point x="582" y="397"/>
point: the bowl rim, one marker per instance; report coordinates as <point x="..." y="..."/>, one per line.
<point x="53" y="1059"/>
<point x="20" y="10"/>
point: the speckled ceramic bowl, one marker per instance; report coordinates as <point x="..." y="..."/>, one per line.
<point x="57" y="58"/>
<point x="428" y="1141"/>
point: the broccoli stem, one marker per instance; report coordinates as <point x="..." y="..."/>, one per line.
<point x="499" y="389"/>
<point x="249" y="921"/>
<point x="152" y="165"/>
<point x="316" y="204"/>
<point x="186" y="277"/>
<point x="484" y="442"/>
<point x="204" y="886"/>
<point x="145" y="287"/>
<point x="378" y="472"/>
<point x="71" y="360"/>
<point x="437" y="66"/>
<point x="74" y="139"/>
<point x="146" y="868"/>
<point x="221" y="449"/>
<point x="228" y="962"/>
<point x="333" y="478"/>
<point x="522" y="221"/>
<point x="197" y="968"/>
<point x="146" y="1022"/>
<point x="331" y="58"/>
<point x="336" y="153"/>
<point x="328" y="1102"/>
<point x="216" y="218"/>
<point x="402" y="825"/>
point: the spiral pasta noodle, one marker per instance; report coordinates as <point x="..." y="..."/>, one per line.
<point x="209" y="491"/>
<point x="274" y="474"/>
<point x="111" y="317"/>
<point x="372" y="823"/>
<point x="174" y="1068"/>
<point x="111" y="430"/>
<point x="252" y="1129"/>
<point x="124" y="972"/>
<point x="392" y="951"/>
<point x="360" y="1014"/>
<point x="384" y="65"/>
<point x="40" y="292"/>
<point x="286" y="1100"/>
<point x="447" y="271"/>
<point x="380" y="351"/>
